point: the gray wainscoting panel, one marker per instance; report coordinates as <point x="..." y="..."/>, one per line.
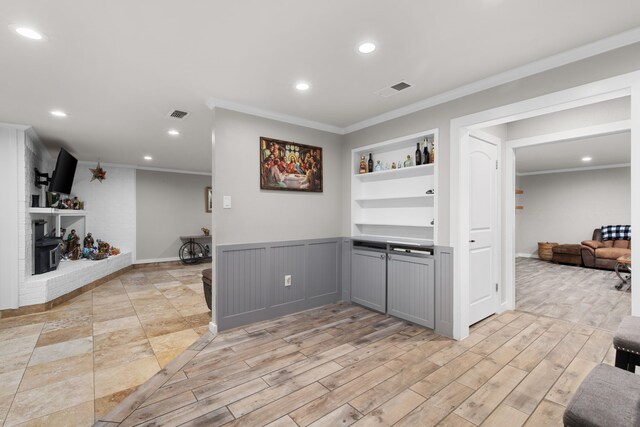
<point x="346" y="269"/>
<point x="285" y="260"/>
<point x="247" y="273"/>
<point x="323" y="273"/>
<point x="250" y="279"/>
<point x="444" y="290"/>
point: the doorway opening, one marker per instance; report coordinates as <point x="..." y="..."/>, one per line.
<point x="465" y="128"/>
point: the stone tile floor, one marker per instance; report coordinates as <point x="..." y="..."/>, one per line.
<point x="72" y="364"/>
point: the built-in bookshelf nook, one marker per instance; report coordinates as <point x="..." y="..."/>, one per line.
<point x="395" y="201"/>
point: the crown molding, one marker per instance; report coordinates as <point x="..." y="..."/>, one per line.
<point x="580" y="169"/>
<point x="272" y="115"/>
<point x="545" y="64"/>
<point x="144" y="168"/>
<point x="601" y="46"/>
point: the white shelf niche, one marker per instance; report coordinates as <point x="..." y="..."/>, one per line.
<point x="73" y="219"/>
<point x="395" y="204"/>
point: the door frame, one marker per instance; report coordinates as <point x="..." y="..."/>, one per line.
<point x="591" y="93"/>
<point x="497" y="233"/>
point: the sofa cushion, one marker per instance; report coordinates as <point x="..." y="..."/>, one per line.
<point x="624" y="244"/>
<point x="611" y="253"/>
<point x="594" y="244"/>
<point x="608" y="396"/>
<point x="567" y="249"/>
<point x="608" y="243"/>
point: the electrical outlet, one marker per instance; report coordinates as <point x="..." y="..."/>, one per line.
<point x="287" y="280"/>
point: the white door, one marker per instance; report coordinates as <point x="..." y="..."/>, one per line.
<point x="483" y="214"/>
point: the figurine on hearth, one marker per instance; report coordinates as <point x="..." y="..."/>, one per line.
<point x="88" y="241"/>
<point x="73" y="246"/>
<point x="76" y="203"/>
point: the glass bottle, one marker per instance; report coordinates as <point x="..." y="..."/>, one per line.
<point x="418" y="154"/>
<point x="426" y="157"/>
<point x="370" y="164"/>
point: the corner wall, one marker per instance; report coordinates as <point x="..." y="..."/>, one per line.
<point x="168" y="205"/>
<point x="266" y="215"/>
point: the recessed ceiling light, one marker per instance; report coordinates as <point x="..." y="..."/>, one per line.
<point x="58" y="113"/>
<point x="366" y="47"/>
<point x="27" y="32"/>
<point x="302" y="86"/>
<point x="173" y="132"/>
<point x="586" y="159"/>
<point x="148" y="158"/>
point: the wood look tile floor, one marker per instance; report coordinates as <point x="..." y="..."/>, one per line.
<point x="582" y="295"/>
<point x="73" y="364"/>
<point x="342" y="365"/>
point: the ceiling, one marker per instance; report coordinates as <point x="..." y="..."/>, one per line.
<point x="118" y="67"/>
<point x="614" y="149"/>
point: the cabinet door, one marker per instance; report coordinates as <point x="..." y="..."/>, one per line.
<point x="411" y="289"/>
<point x="369" y="279"/>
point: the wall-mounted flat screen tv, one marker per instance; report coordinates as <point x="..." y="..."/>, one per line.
<point x="62" y="178"/>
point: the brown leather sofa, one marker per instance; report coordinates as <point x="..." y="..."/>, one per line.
<point x="603" y="254"/>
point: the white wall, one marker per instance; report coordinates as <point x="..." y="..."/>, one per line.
<point x="266" y="215"/>
<point x="111" y="204"/>
<point x="566" y="207"/>
<point x="168" y="205"/>
<point x="9" y="219"/>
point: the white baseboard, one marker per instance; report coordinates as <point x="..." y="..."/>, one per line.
<point x="152" y="260"/>
<point x="213" y="328"/>
<point x="526" y="255"/>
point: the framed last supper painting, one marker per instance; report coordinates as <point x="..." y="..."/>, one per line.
<point x="289" y="166"/>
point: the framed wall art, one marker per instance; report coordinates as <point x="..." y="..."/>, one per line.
<point x="289" y="166"/>
<point x="208" y="199"/>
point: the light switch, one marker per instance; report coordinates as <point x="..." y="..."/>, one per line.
<point x="226" y="202"/>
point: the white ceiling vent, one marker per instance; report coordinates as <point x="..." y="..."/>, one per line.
<point x="393" y="89"/>
<point x="178" y="114"/>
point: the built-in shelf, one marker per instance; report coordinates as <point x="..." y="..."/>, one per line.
<point x="393" y="239"/>
<point x="60" y="212"/>
<point x="404" y="172"/>
<point x="375" y="199"/>
<point x="392" y="204"/>
<point x="397" y="224"/>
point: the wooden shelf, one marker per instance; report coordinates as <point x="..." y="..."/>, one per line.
<point x="57" y="212"/>
<point x="392" y="239"/>
<point x="380" y="224"/>
<point x="375" y="199"/>
<point x="407" y="172"/>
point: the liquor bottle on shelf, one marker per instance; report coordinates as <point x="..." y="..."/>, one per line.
<point x="370" y="164"/>
<point x="426" y="158"/>
<point x="418" y="155"/>
<point x="433" y="151"/>
<point x="363" y="166"/>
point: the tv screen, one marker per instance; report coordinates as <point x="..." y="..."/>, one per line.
<point x="62" y="178"/>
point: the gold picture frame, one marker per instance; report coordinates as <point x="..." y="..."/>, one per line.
<point x="208" y="199"/>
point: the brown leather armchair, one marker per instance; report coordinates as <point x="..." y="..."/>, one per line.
<point x="603" y="254"/>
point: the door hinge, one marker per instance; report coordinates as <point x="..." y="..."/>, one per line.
<point x="496" y="287"/>
<point x="496" y="164"/>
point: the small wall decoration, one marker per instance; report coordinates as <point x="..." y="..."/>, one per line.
<point x="98" y="173"/>
<point x="290" y="166"/>
<point x="208" y="199"/>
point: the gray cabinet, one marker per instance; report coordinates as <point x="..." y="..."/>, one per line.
<point x="369" y="279"/>
<point x="411" y="289"/>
